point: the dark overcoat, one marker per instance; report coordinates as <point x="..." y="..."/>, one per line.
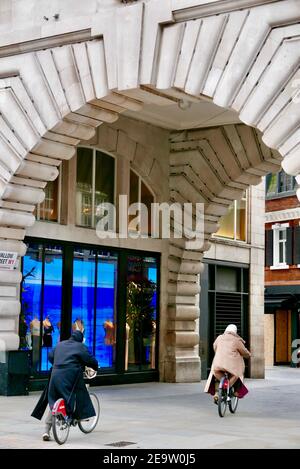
<point x="66" y="380"/>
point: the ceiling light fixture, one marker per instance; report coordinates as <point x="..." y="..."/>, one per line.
<point x="184" y="104"/>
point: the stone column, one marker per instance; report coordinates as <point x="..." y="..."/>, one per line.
<point x="257" y="262"/>
<point x="182" y="362"/>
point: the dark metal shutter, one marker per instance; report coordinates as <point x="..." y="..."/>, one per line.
<point x="296" y="245"/>
<point x="289" y="245"/>
<point x="269" y="248"/>
<point x="228" y="311"/>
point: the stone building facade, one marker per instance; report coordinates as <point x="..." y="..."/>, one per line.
<point x="70" y="68"/>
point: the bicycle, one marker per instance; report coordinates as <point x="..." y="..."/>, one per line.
<point x="226" y="397"/>
<point x="61" y="422"/>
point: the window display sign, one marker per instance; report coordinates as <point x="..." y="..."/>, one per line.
<point x="8" y="260"/>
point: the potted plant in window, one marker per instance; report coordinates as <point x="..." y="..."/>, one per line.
<point x="140" y="314"/>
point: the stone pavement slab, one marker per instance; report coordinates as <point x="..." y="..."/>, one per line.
<point x="171" y="416"/>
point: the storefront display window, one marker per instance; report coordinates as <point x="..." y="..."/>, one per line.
<point x="141" y="313"/>
<point x="40" y="316"/>
<point x="112" y="296"/>
<point x="94" y="302"/>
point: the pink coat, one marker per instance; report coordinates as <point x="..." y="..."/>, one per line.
<point x="230" y="352"/>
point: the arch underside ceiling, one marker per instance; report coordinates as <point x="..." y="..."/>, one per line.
<point x="50" y="100"/>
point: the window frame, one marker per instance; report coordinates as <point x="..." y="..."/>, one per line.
<point x="234" y="238"/>
<point x="278" y="194"/>
<point x="94" y="155"/>
<point x="59" y="199"/>
<point x="277" y="228"/>
<point x="141" y="180"/>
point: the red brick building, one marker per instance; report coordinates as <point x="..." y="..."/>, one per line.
<point x="282" y="271"/>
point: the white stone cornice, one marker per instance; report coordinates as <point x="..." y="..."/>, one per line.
<point x="282" y="215"/>
<point x="184" y="10"/>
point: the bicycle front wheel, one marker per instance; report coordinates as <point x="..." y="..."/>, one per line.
<point x="88" y="425"/>
<point x="60" y="428"/>
<point x="222" y="401"/>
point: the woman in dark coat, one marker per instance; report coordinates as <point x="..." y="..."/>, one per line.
<point x="66" y="381"/>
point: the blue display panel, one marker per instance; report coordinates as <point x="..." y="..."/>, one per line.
<point x="94" y="302"/>
<point x="106" y="311"/>
<point x="83" y="293"/>
<point x="41" y="298"/>
<point x="52" y="300"/>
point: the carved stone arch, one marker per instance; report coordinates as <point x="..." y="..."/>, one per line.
<point x="51" y="99"/>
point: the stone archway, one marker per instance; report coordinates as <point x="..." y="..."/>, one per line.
<point x="52" y="97"/>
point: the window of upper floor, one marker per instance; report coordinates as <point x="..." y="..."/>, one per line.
<point x="139" y="192"/>
<point x="233" y="225"/>
<point x="280" y="184"/>
<point x="49" y="209"/>
<point x="95" y="184"/>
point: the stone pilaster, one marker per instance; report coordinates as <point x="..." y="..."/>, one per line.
<point x="257" y="273"/>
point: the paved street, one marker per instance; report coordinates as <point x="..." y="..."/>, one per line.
<point x="162" y="415"/>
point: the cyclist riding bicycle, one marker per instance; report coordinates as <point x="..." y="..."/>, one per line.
<point x="69" y="359"/>
<point x="230" y="352"/>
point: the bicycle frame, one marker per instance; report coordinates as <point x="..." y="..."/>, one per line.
<point x="59" y="408"/>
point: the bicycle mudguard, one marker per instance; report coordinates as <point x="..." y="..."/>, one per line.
<point x="59" y="408"/>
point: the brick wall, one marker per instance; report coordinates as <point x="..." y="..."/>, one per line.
<point x="282" y="203"/>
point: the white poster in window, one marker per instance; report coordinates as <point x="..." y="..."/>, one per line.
<point x="8" y="260"/>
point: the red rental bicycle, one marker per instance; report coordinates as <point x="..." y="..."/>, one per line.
<point x="61" y="422"/>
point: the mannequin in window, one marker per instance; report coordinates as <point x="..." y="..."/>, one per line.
<point x="78" y="325"/>
<point x="47" y="334"/>
<point x="152" y="345"/>
<point x="35" y="330"/>
<point x="109" y="328"/>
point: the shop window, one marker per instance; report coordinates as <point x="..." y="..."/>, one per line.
<point x="95" y="184"/>
<point x="279" y="183"/>
<point x="41" y="303"/>
<point x="140" y="193"/>
<point x="233" y="225"/>
<point x="141" y="313"/>
<point x="94" y="296"/>
<point x="74" y="287"/>
<point x="48" y="210"/>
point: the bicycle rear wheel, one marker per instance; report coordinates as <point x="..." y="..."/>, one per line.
<point x="88" y="425"/>
<point x="233" y="403"/>
<point x="222" y="400"/>
<point x="60" y="427"/>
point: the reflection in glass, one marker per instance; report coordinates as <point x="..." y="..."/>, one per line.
<point x="52" y="302"/>
<point x="233" y="225"/>
<point x="84" y="187"/>
<point x="241" y="220"/>
<point x="83" y="298"/>
<point x="106" y="311"/>
<point x="94" y="302"/>
<point x="41" y="303"/>
<point x="226" y="229"/>
<point x="48" y="209"/>
<point x="141" y="313"/>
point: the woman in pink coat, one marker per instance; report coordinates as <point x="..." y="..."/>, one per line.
<point x="230" y="352"/>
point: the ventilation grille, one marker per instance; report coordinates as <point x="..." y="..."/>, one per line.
<point x="228" y="311"/>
